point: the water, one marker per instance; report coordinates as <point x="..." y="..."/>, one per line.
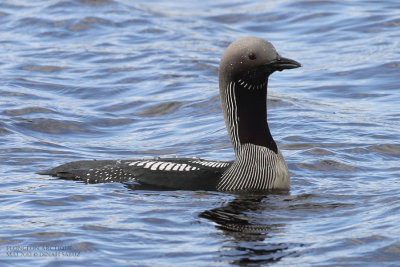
<point x="111" y="79"/>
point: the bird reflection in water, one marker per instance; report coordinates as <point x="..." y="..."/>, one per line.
<point x="247" y="228"/>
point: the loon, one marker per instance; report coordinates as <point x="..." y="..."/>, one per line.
<point x="258" y="166"/>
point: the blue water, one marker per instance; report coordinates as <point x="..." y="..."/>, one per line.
<point x="112" y="79"/>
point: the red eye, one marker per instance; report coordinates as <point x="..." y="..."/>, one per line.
<point x="252" y="56"/>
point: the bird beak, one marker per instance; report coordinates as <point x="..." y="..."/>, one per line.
<point x="283" y="63"/>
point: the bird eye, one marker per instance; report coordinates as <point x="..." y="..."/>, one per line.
<point x="252" y="56"/>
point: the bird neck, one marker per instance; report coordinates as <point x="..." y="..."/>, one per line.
<point x="245" y="112"/>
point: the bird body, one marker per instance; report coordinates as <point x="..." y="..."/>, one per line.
<point x="258" y="166"/>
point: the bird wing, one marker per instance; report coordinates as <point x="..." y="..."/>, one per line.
<point x="173" y="173"/>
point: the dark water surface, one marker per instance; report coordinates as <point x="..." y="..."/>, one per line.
<point x="111" y="79"/>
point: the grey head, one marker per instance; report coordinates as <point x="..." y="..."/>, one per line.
<point x="243" y="78"/>
<point x="251" y="59"/>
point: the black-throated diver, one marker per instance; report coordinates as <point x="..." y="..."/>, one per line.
<point x="259" y="165"/>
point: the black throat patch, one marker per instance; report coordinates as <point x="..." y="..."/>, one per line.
<point x="252" y="117"/>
